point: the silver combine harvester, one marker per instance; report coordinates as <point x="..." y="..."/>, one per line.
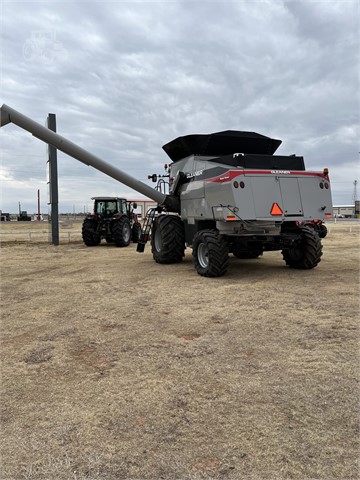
<point x="229" y="193"/>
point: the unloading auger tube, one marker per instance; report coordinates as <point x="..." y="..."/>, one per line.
<point x="8" y="115"/>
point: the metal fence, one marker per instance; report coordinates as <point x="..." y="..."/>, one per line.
<point x="36" y="236"/>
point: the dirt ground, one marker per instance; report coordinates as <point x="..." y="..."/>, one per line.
<point x="115" y="367"/>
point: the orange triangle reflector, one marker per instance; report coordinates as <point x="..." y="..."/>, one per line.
<point x="276" y="210"/>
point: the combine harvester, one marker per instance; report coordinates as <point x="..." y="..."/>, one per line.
<point x="229" y="193"/>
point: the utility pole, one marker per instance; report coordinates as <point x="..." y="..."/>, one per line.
<point x="39" y="213"/>
<point x="354" y="199"/>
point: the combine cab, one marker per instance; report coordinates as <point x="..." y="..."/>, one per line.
<point x="114" y="220"/>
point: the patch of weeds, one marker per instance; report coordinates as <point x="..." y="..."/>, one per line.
<point x="189" y="336"/>
<point x="39" y="355"/>
<point x="49" y="337"/>
<point x="111" y="325"/>
<point x="191" y="350"/>
<point x="95" y="355"/>
<point x="64" y="434"/>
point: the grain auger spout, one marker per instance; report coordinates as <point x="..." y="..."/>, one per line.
<point x="9" y="115"/>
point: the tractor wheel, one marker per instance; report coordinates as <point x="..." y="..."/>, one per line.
<point x="307" y="254"/>
<point x="168" y="239"/>
<point x="136" y="232"/>
<point x="240" y="252"/>
<point x="210" y="253"/>
<point x="121" y="231"/>
<point x="89" y="236"/>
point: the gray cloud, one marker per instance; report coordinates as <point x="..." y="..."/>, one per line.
<point x="124" y="78"/>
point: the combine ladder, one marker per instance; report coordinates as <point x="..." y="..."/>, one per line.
<point x="145" y="233"/>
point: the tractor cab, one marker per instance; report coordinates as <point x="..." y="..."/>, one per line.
<point x="107" y="207"/>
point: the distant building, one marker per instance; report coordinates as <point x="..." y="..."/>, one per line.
<point x="143" y="206"/>
<point x="343" y="211"/>
<point x="4" y="217"/>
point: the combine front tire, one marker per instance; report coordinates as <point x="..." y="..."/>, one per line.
<point x="121" y="232"/>
<point x="307" y="254"/>
<point x="136" y="232"/>
<point x="322" y="231"/>
<point x="168" y="239"/>
<point x="210" y="253"/>
<point x="89" y="236"/>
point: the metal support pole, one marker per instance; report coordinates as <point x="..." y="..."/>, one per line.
<point x="39" y="213"/>
<point x="53" y="184"/>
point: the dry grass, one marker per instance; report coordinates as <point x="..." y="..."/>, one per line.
<point x="114" y="367"/>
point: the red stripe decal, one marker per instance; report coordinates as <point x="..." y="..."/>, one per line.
<point x="231" y="174"/>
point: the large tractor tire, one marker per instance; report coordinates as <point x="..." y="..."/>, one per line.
<point x="307" y="254"/>
<point x="121" y="232"/>
<point x="168" y="239"/>
<point x="89" y="236"/>
<point x="136" y="232"/>
<point x="210" y="253"/>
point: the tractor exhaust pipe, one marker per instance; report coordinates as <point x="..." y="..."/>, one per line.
<point x="8" y="114"/>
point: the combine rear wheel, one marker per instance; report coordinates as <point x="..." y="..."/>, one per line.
<point x="121" y="232"/>
<point x="89" y="236"/>
<point x="168" y="239"/>
<point x="307" y="254"/>
<point x="210" y="253"/>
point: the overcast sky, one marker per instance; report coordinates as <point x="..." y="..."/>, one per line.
<point x="124" y="78"/>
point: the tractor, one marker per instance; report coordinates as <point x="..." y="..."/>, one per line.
<point x="23" y="215"/>
<point x="113" y="219"/>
